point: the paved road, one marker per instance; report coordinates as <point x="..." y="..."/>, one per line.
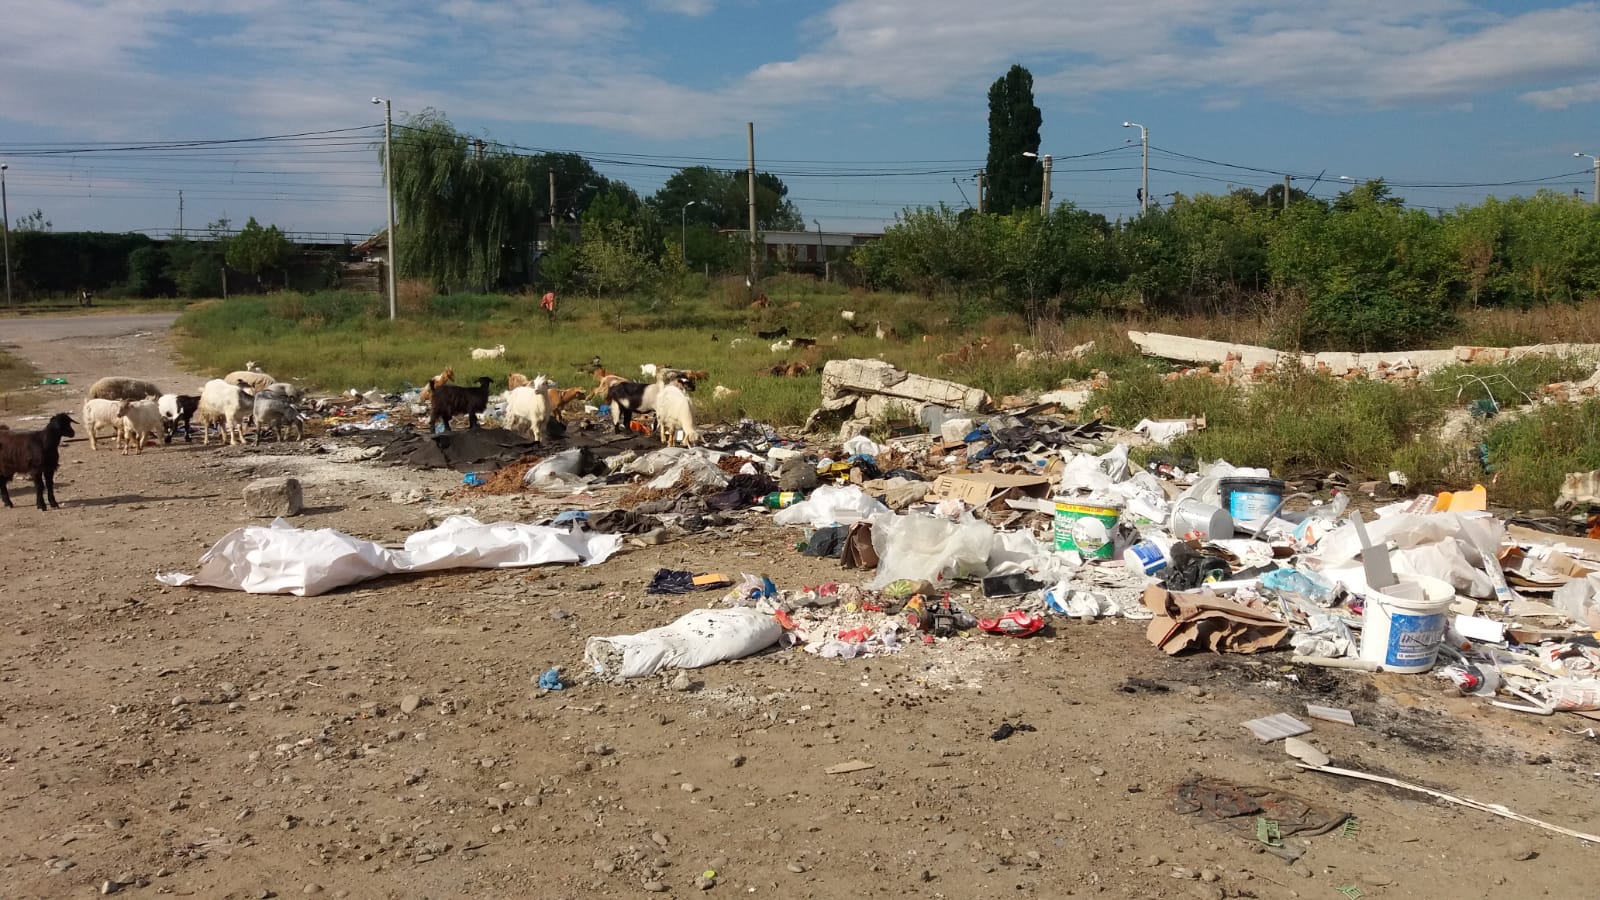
<point x="82" y="348"/>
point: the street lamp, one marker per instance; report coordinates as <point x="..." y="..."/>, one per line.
<point x="5" y="228"/>
<point x="1044" y="193"/>
<point x="1596" y="160"/>
<point x="683" y="230"/>
<point x="1144" y="180"/>
<point x="388" y="184"/>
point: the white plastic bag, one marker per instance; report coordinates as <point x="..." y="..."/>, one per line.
<point x="700" y="638"/>
<point x="831" y="505"/>
<point x="928" y="548"/>
<point x="861" y="445"/>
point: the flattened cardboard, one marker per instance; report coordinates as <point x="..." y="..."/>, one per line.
<point x="1208" y="622"/>
<point x="978" y="488"/>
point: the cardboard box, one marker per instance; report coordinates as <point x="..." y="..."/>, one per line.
<point x="978" y="488"/>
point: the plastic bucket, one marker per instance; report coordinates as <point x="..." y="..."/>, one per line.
<point x="1403" y="633"/>
<point x="1146" y="558"/>
<point x="1250" y="499"/>
<point x="1086" y="528"/>
<point x="1195" y="515"/>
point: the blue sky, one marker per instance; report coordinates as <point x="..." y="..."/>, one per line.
<point x="863" y="106"/>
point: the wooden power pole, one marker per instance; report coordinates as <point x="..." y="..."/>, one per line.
<point x="750" y="139"/>
<point x="980" y="192"/>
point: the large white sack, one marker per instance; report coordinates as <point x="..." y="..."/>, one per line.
<point x="282" y="559"/>
<point x="700" y="638"/>
<point x="830" y="505"/>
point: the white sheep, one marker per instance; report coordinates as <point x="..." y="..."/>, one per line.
<point x="116" y="387"/>
<point x="849" y="315"/>
<point x="256" y="380"/>
<point x="275" y="411"/>
<point x="136" y="420"/>
<point x="99" y="412"/>
<point x="528" y="408"/>
<point x="223" y="402"/>
<point x="496" y="352"/>
<point x="780" y="346"/>
<point x="674" y="411"/>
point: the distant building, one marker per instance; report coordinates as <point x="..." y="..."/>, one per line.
<point x="806" y="250"/>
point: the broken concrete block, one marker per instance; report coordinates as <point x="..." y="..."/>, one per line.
<point x="847" y="376"/>
<point x="271" y="497"/>
<point x="953" y="430"/>
<point x="874" y="377"/>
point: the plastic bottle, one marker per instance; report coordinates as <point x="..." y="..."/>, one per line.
<point x="782" y="499"/>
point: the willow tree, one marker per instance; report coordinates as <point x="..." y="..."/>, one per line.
<point x="460" y="203"/>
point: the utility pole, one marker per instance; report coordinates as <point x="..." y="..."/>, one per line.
<point x="180" y="212"/>
<point x="1044" y="195"/>
<point x="388" y="181"/>
<point x="750" y="138"/>
<point x="477" y="146"/>
<point x="1595" y="158"/>
<point x="1286" y="181"/>
<point x="5" y="228"/>
<point x="552" y="204"/>
<point x="1144" y="166"/>
<point x="980" y="192"/>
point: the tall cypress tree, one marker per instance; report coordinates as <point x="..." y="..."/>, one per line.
<point x="1014" y="181"/>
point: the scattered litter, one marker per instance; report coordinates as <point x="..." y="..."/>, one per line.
<point x="551" y="680"/>
<point x="700" y="638"/>
<point x="1276" y="727"/>
<point x="1493" y="808"/>
<point x="1305" y="752"/>
<point x="845" y="768"/>
<point x="1007" y="729"/>
<point x="1330" y="714"/>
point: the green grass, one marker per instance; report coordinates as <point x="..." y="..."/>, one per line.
<point x="1297" y="422"/>
<point x="70" y="307"/>
<point x="1530" y="454"/>
<point x="16" y="375"/>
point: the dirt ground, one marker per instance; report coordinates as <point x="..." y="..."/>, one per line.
<point x="212" y="744"/>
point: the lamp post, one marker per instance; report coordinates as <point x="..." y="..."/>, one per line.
<point x="683" y="231"/>
<point x="388" y="184"/>
<point x="1044" y="192"/>
<point x="1596" y="160"/>
<point x="5" y="228"/>
<point x="1144" y="168"/>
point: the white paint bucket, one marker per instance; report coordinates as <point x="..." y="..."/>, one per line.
<point x="1403" y="626"/>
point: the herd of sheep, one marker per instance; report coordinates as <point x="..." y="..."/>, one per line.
<point x="137" y="411"/>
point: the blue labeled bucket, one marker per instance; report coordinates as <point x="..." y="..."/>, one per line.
<point x="1250" y="499"/>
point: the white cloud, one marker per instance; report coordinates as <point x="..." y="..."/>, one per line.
<point x="1563" y="97"/>
<point x="694" y="8"/>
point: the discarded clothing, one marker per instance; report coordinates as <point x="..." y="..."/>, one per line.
<point x="670" y="581"/>
<point x="826" y="542"/>
<point x="742" y="491"/>
<point x="623" y="521"/>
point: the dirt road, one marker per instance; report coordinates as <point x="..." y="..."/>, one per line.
<point x="389" y="741"/>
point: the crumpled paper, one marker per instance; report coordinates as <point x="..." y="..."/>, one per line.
<point x="282" y="559"/>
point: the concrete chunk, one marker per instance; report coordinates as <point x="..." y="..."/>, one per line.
<point x="271" y="497"/>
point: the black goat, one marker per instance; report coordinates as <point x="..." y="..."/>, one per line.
<point x="773" y="335"/>
<point x="453" y="400"/>
<point x="629" y="397"/>
<point x="805" y="342"/>
<point x="178" y="413"/>
<point x="36" y="454"/>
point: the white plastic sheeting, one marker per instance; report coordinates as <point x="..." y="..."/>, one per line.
<point x="830" y="505"/>
<point x="282" y="559"/>
<point x="700" y="638"/>
<point x="930" y="548"/>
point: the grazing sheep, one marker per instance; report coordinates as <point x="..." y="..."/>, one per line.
<point x="849" y="315"/>
<point x="36" y="454"/>
<point x="780" y="346"/>
<point x="101" y="413"/>
<point x="177" y="409"/>
<point x="497" y="352"/>
<point x="275" y="411"/>
<point x="527" y="409"/>
<point x="445" y="377"/>
<point x="559" y="398"/>
<point x="115" y="387"/>
<point x="674" y="411"/>
<point x="453" y="400"/>
<point x="1578" y="487"/>
<point x="136" y="420"/>
<point x="224" y="403"/>
<point x="255" y="380"/>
